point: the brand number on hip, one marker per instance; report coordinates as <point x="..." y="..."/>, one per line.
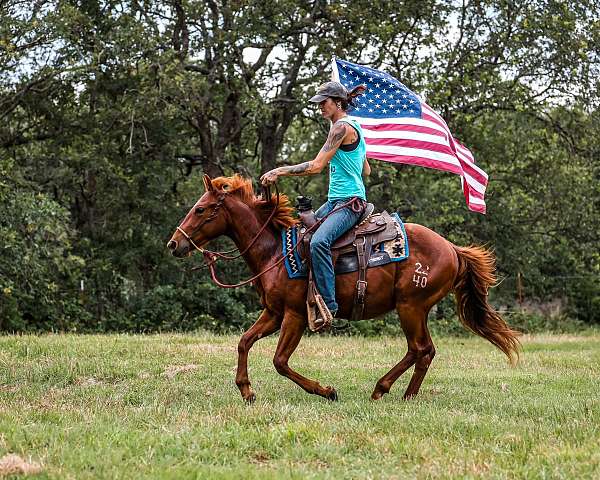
<point x="420" y="275"/>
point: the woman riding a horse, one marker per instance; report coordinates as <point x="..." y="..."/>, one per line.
<point x="345" y="152"/>
<point x="434" y="268"/>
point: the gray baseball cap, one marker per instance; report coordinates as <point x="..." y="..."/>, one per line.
<point x="330" y="89"/>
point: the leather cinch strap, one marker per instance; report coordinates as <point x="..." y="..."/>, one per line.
<point x="363" y="253"/>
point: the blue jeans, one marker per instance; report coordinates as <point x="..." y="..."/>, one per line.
<point x="320" y="246"/>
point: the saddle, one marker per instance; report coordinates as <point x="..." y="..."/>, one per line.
<point x="370" y="230"/>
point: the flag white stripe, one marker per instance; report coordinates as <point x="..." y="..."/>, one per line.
<point x="465" y="151"/>
<point x="400" y="121"/>
<point x="459" y="148"/>
<point x="474" y="183"/>
<point x="465" y="158"/>
<point x="434" y="114"/>
<point x="476" y="200"/>
<point x="472" y="165"/>
<point x="335" y="74"/>
<point x="414" y="152"/>
<point x="407" y="135"/>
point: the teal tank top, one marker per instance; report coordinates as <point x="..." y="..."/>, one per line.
<point x="345" y="169"/>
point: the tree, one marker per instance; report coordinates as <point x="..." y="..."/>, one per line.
<point x="112" y="109"/>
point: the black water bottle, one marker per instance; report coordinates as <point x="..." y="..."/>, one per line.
<point x="303" y="204"/>
<point x="305" y="211"/>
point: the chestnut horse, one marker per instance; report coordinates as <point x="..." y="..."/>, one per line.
<point x="434" y="268"/>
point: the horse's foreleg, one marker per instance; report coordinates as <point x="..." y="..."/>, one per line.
<point x="292" y="329"/>
<point x="420" y="353"/>
<point x="264" y="326"/>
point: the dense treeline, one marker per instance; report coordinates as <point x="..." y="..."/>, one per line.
<point x="112" y="110"/>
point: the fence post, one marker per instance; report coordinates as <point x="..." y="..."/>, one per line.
<point x="520" y="296"/>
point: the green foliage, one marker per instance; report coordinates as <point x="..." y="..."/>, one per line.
<point x="202" y="306"/>
<point x="112" y="111"/>
<point x="38" y="270"/>
<point x="535" y="322"/>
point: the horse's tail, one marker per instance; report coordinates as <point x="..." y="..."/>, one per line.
<point x="476" y="273"/>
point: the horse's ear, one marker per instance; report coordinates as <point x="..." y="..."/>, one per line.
<point x="208" y="186"/>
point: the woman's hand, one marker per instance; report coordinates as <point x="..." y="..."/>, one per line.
<point x="270" y="177"/>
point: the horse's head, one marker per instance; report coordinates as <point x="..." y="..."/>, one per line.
<point x="206" y="220"/>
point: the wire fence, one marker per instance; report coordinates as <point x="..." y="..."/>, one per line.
<point x="547" y="294"/>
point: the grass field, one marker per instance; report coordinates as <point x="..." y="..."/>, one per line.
<point x="166" y="406"/>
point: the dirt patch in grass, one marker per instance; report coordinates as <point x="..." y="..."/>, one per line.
<point x="12" y="464"/>
<point x="211" y="348"/>
<point x="173" y="370"/>
<point x="8" y="388"/>
<point x="86" y="382"/>
<point x="260" y="458"/>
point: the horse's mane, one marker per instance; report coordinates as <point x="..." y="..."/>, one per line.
<point x="242" y="188"/>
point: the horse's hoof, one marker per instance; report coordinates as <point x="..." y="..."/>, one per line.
<point x="331" y="394"/>
<point x="376" y="395"/>
<point x="250" y="399"/>
<point x="379" y="391"/>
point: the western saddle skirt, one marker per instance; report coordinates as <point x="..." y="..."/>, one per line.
<point x="370" y="230"/>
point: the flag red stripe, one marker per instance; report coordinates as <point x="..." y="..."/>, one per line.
<point x="475" y="193"/>
<point x="409" y="143"/>
<point x="429" y="114"/>
<point x="425" y="145"/>
<point x="464" y="150"/>
<point x="468" y="168"/>
<point x="420" y="161"/>
<point x="475" y="207"/>
<point x="438" y="120"/>
<point x="392" y="127"/>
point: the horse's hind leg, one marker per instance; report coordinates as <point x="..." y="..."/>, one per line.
<point x="424" y="358"/>
<point x="420" y="352"/>
<point x="292" y="329"/>
<point x="264" y="326"/>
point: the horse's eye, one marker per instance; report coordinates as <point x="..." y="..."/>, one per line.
<point x="199" y="210"/>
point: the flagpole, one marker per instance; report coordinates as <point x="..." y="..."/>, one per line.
<point x="335" y="75"/>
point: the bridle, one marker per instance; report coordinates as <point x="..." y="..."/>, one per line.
<point x="210" y="218"/>
<point x="226" y="255"/>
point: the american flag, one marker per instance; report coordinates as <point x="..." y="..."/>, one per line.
<point x="400" y="128"/>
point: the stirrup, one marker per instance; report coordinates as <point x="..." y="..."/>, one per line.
<point x="320" y="318"/>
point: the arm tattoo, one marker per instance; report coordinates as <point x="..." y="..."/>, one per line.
<point x="336" y="135"/>
<point x="299" y="169"/>
<point x="334" y="140"/>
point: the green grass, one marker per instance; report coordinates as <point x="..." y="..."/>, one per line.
<point x="106" y="407"/>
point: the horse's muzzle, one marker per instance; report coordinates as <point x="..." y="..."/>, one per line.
<point x="178" y="249"/>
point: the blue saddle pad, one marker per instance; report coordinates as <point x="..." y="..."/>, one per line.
<point x="294" y="265"/>
<point x="383" y="253"/>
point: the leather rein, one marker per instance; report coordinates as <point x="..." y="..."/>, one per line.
<point x="210" y="257"/>
<point x="226" y="255"/>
